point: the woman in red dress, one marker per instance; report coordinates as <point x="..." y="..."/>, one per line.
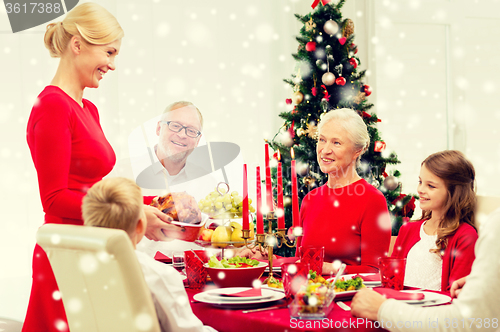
<point x="68" y="147"/>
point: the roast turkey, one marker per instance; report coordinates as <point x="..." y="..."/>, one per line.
<point x="180" y="206"/>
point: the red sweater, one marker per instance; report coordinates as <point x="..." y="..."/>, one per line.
<point x="69" y="151"/>
<point x="351" y="222"/>
<point x="458" y="255"/>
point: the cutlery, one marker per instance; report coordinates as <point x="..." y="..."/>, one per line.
<point x="339" y="273"/>
<point x="344" y="306"/>
<point x="264" y="309"/>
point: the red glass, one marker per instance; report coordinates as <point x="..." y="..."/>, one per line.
<point x="195" y="271"/>
<point x="294" y="276"/>
<point x="314" y="256"/>
<point x="392" y="272"/>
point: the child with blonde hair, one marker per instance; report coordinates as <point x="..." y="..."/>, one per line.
<point x="118" y="203"/>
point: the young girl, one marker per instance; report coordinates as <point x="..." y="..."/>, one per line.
<point x="439" y="248"/>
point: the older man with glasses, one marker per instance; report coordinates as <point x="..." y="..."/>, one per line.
<point x="179" y="131"/>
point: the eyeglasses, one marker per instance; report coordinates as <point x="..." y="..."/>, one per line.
<point x="177" y="127"/>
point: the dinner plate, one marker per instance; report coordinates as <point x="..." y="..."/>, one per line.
<point x="264" y="286"/>
<point x="430" y="298"/>
<point x="241" y="303"/>
<point x="218" y="294"/>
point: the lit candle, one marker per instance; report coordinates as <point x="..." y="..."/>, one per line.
<point x="260" y="220"/>
<point x="281" y="218"/>
<point x="269" y="183"/>
<point x="295" y="193"/>
<point x="245" y="198"/>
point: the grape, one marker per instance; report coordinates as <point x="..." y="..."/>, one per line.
<point x="218" y="205"/>
<point x="234" y="193"/>
<point x="215" y="204"/>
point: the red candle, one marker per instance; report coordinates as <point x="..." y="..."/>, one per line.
<point x="269" y="183"/>
<point x="245" y="198"/>
<point x="281" y="218"/>
<point x="260" y="220"/>
<point x="295" y="193"/>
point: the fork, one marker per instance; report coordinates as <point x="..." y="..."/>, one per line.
<point x="344" y="306"/>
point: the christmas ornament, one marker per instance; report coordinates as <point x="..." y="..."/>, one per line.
<point x="331" y="27"/>
<point x="310" y="46"/>
<point x="328" y="49"/>
<point x="391" y="183"/>
<point x="319" y="63"/>
<point x="314" y="91"/>
<point x="328" y="78"/>
<point x="300" y="132"/>
<point x="302" y="168"/>
<point x="309" y="181"/>
<point x="340" y="81"/>
<point x="297" y="97"/>
<point x="355" y="48"/>
<point x="375" y="183"/>
<point x="348" y="28"/>
<point x="339" y="69"/>
<point x="353" y="62"/>
<point x="359" y="99"/>
<point x="288" y="101"/>
<point x="379" y="146"/>
<point x="342" y="40"/>
<point x="367" y="90"/>
<point x="310" y="25"/>
<point x="312" y="130"/>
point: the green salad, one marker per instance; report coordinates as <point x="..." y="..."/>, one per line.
<point x="233" y="262"/>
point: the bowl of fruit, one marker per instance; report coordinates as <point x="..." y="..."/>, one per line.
<point x="314" y="300"/>
<point x="235" y="271"/>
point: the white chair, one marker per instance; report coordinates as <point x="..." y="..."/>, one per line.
<point x="100" y="280"/>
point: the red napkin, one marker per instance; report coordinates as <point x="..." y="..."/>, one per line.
<point x="397" y="295"/>
<point x="162" y="258"/>
<point x="372" y="277"/>
<point x="246" y="293"/>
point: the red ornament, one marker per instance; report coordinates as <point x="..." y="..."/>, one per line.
<point x="290" y="130"/>
<point x="288" y="101"/>
<point x="367" y="90"/>
<point x="314" y="91"/>
<point x="340" y="81"/>
<point x="366" y="115"/>
<point x="379" y="146"/>
<point x="353" y="62"/>
<point x="311" y="46"/>
<point x="353" y="46"/>
<point x="342" y="40"/>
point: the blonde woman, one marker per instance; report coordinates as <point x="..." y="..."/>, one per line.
<point x="68" y="147"/>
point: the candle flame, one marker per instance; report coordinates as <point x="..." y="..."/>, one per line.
<point x="292" y="153"/>
<point x="279" y="155"/>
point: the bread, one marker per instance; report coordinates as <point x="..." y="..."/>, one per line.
<point x="180" y="206"/>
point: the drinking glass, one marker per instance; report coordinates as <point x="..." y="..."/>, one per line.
<point x="294" y="276"/>
<point x="178" y="261"/>
<point x="195" y="269"/>
<point x="392" y="272"/>
<point x="314" y="256"/>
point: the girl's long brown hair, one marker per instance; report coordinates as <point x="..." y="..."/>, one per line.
<point x="458" y="175"/>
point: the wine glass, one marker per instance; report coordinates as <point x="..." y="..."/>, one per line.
<point x="178" y="261"/>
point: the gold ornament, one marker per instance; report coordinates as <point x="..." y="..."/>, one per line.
<point x="312" y="130"/>
<point x="297" y="97"/>
<point x="359" y="98"/>
<point x="309" y="181"/>
<point x="310" y="25"/>
<point x="348" y="28"/>
<point x="300" y="132"/>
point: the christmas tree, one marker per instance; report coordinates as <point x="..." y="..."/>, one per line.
<point x="327" y="78"/>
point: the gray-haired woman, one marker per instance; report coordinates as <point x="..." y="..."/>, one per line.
<point x="347" y="215"/>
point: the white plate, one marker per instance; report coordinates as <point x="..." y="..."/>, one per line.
<point x="367" y="283"/>
<point x="430" y="298"/>
<point x="240" y="303"/>
<point x="218" y="294"/>
<point x="264" y="286"/>
<point x="276" y="269"/>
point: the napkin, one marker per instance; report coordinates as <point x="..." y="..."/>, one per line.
<point x="246" y="293"/>
<point x="160" y="257"/>
<point x="372" y="277"/>
<point x="397" y="295"/>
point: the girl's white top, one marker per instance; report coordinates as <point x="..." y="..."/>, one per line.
<point x="423" y="268"/>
